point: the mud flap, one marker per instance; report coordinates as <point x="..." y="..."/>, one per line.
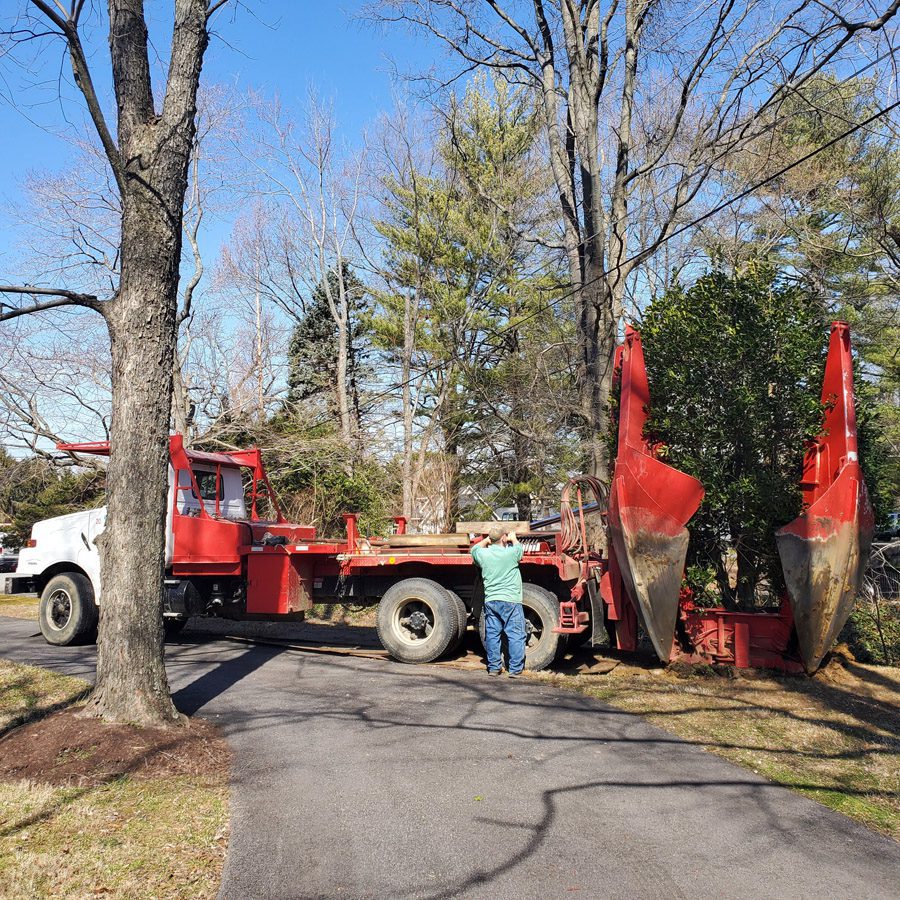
<point x="598" y="625"/>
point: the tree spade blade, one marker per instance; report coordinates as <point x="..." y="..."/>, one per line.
<point x="824" y="554"/>
<point x="650" y="540"/>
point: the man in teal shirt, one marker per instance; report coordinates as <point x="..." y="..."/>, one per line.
<point x="498" y="556"/>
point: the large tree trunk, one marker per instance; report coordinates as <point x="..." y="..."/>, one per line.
<point x="151" y="167"/>
<point x="131" y="679"/>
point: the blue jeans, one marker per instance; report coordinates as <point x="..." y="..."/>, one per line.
<point x="502" y="617"/>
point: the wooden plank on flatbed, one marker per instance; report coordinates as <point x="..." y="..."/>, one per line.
<point x="485" y="527"/>
<point x="426" y="540"/>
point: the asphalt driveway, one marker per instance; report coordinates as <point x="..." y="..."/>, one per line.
<point x="363" y="778"/>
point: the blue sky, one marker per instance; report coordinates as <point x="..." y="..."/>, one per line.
<point x="277" y="46"/>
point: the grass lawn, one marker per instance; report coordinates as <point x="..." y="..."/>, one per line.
<point x="104" y="810"/>
<point x="19" y="607"/>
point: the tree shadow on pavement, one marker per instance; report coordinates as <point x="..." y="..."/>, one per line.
<point x="223" y="674"/>
<point x="406" y="716"/>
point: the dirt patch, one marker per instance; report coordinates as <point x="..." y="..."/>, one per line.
<point x="88" y="809"/>
<point x="66" y="748"/>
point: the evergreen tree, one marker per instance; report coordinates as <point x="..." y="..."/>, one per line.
<point x="467" y="304"/>
<point x="312" y="355"/>
<point x="833" y="225"/>
<point x="33" y="489"/>
<point x="735" y="364"/>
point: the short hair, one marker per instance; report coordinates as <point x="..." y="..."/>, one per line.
<point x="496" y="535"/>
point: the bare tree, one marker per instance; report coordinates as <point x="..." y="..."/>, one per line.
<point x="314" y="186"/>
<point x="254" y="278"/>
<point x="599" y="71"/>
<point x="406" y="161"/>
<point x="213" y="177"/>
<point x="148" y="154"/>
<point x="68" y="231"/>
<point x="54" y="385"/>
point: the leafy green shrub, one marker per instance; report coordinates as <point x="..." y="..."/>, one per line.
<point x="735" y="366"/>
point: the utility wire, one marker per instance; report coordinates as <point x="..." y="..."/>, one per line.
<point x="496" y="333"/>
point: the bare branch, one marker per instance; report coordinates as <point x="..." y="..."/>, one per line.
<point x="62" y="298"/>
<point x="82" y="74"/>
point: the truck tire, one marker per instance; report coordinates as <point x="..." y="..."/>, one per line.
<point x="67" y="613"/>
<point x="417" y="620"/>
<point x="172" y="627"/>
<point x="541" y="617"/>
<point x="462" y="620"/>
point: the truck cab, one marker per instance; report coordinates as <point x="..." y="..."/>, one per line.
<point x="214" y="505"/>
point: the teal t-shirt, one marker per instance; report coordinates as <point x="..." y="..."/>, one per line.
<point x="500" y="571"/>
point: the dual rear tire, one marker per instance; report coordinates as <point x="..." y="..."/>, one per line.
<point x="419" y="621"/>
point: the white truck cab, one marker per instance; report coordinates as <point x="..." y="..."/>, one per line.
<point x="62" y="563"/>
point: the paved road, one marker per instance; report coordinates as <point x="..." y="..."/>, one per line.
<point x="360" y="778"/>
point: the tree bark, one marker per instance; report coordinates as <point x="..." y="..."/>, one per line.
<point x="150" y="162"/>
<point x="131" y="682"/>
<point x="409" y="344"/>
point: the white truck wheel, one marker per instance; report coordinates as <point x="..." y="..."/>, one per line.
<point x="67" y="612"/>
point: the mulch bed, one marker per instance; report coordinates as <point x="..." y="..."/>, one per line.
<point x="67" y="749"/>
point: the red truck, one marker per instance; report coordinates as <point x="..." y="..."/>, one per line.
<point x="225" y="558"/>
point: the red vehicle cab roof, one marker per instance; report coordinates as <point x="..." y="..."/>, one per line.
<point x="176" y="442"/>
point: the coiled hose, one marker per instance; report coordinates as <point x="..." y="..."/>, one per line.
<point x="571" y="527"/>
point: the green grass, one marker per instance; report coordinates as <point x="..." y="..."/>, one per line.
<point x="161" y="838"/>
<point x="28" y="692"/>
<point x="19" y="607"/>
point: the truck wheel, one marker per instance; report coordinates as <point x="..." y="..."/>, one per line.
<point x="173" y="627"/>
<point x="462" y="619"/>
<point x="541" y="617"/>
<point x="68" y="614"/>
<point x="417" y="620"/>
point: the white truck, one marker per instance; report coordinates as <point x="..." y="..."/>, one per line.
<point x="61" y="561"/>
